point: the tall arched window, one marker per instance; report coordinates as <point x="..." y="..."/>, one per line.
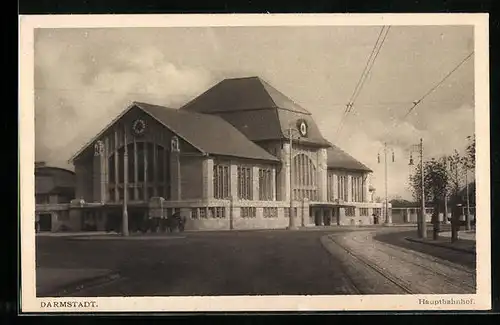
<point x="148" y="172"/>
<point x="304" y="178"/>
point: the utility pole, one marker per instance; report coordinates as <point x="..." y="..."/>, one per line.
<point x="125" y="186"/>
<point x="423" y="230"/>
<point x="291" y="221"/>
<point x="388" y="217"/>
<point x="445" y="218"/>
<point x="467" y="216"/>
<point x="387" y="221"/>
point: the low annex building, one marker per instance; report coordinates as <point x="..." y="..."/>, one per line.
<point x="224" y="161"/>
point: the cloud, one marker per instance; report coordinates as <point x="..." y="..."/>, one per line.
<point x="90" y="86"/>
<point x="86" y="77"/>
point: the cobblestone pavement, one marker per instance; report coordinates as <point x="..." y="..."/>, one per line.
<point x="376" y="267"/>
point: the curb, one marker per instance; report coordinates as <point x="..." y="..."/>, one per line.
<point x="121" y="238"/>
<point x="464" y="250"/>
<point x="75" y="286"/>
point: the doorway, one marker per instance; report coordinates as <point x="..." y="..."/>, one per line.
<point x="45" y="222"/>
<point x="317" y="217"/>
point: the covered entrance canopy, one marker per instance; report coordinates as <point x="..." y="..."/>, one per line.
<point x="326" y="213"/>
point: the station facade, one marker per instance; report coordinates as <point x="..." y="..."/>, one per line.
<point x="235" y="157"/>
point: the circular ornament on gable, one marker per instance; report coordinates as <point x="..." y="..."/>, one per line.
<point x="139" y="127"/>
<point x="302" y="126"/>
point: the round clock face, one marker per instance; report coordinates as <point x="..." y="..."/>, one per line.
<point x="139" y="127"/>
<point x="303" y="128"/>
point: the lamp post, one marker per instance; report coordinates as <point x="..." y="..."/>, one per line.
<point x="291" y="221"/>
<point x="125" y="186"/>
<point x="422" y="232"/>
<point x="386" y="202"/>
<point x="465" y="163"/>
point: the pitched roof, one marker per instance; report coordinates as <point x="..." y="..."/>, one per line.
<point x="339" y="159"/>
<point x="208" y="133"/>
<point x="256" y="109"/>
<point x="239" y="94"/>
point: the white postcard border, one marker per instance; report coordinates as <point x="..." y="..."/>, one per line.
<point x="30" y="303"/>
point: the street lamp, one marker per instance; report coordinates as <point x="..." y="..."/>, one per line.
<point x="422" y="232"/>
<point x="291" y="221"/>
<point x="387" y="215"/>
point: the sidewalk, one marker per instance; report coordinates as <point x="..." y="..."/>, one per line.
<point x="466" y="242"/>
<point x="74" y="234"/>
<point x="59" y="282"/>
<point x="466" y="234"/>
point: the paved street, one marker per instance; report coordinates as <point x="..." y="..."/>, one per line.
<point x="216" y="263"/>
<point x="208" y="263"/>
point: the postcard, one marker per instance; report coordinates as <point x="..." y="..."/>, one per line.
<point x="254" y="162"/>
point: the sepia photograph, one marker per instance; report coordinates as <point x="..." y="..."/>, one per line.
<point x="254" y="162"/>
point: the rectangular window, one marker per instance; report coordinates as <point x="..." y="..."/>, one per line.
<point x="265" y="185"/>
<point x="151" y="157"/>
<point x="350" y="212"/>
<point x="244" y="183"/>
<point x="286" y="212"/>
<point x="221" y="181"/>
<point x="346" y="194"/>
<point x="194" y="213"/>
<point x="363" y="212"/>
<point x="248" y="212"/>
<point x="270" y="212"/>
<point x="111" y="168"/>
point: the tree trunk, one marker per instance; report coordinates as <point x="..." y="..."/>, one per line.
<point x="435" y="221"/>
<point x="454" y="224"/>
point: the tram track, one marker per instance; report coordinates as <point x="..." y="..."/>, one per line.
<point x="446" y="277"/>
<point x="399" y="283"/>
<point x="440" y="276"/>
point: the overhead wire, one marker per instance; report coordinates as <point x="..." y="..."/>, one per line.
<point x="366" y="71"/>
<point x="417" y="102"/>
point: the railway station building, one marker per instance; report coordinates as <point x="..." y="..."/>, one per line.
<point x="234" y="157"/>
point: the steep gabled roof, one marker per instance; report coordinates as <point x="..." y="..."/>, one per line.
<point x="256" y="109"/>
<point x="339" y="159"/>
<point x="241" y="94"/>
<point x="209" y="134"/>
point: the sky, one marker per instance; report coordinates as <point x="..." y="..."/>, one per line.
<point x="86" y="77"/>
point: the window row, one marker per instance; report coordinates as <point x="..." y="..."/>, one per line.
<point x="222" y="183"/>
<point x="208" y="213"/>
<point x="248" y="212"/>
<point x="270" y="212"/>
<point x="146" y="162"/>
<point x="350" y="212"/>
<point x="356" y="190"/>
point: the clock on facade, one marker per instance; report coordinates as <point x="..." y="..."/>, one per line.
<point x="302" y="125"/>
<point x="138" y="127"/>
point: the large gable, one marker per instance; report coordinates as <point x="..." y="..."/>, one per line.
<point x="209" y="134"/>
<point x="339" y="159"/>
